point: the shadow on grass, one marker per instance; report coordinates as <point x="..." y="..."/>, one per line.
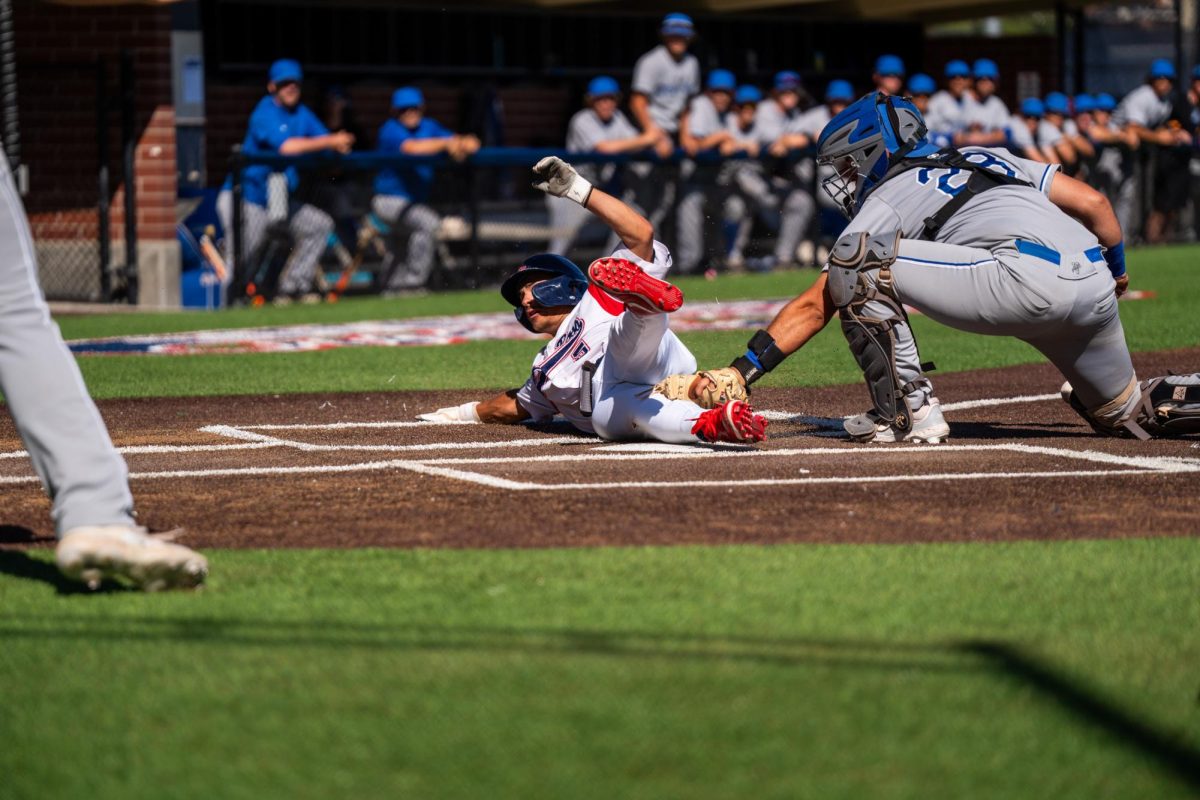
<point x="1087" y="705"/>
<point x="19" y="564"/>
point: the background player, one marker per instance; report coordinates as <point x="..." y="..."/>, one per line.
<point x="74" y="458"/>
<point x="601" y="127"/>
<point x="610" y="342"/>
<point x="979" y="240"/>
<point x="282" y="124"/>
<point x="401" y="193"/>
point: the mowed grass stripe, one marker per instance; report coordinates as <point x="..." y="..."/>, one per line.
<point x="1002" y="670"/>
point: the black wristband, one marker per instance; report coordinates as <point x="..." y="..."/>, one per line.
<point x="762" y="356"/>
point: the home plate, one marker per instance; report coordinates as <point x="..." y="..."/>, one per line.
<point x="663" y="447"/>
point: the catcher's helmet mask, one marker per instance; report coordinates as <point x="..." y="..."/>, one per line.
<point x="863" y="141"/>
<point x="560" y="284"/>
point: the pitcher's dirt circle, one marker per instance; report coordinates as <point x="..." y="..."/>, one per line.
<point x="356" y="470"/>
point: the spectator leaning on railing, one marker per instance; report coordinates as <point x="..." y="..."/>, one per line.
<point x="599" y="127"/>
<point x="1144" y="113"/>
<point x="987" y="119"/>
<point x="281" y="124"/>
<point x="703" y="129"/>
<point x="1052" y="137"/>
<point x="401" y="193"/>
<point x="951" y="108"/>
<point x="888" y="76"/>
<point x="1022" y="131"/>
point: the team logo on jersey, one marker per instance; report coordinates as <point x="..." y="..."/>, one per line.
<point x="561" y="347"/>
<point x="580" y="351"/>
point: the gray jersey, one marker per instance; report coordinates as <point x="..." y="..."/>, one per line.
<point x="1142" y="107"/>
<point x="1019" y="134"/>
<point x="771" y="121"/>
<point x="991" y="221"/>
<point x="667" y="83"/>
<point x="812" y="122"/>
<point x="1048" y="134"/>
<point x="989" y="115"/>
<point x="703" y="118"/>
<point x="586" y="130"/>
<point x="948" y="115"/>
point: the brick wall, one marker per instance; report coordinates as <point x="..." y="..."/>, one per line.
<point x="57" y="102"/>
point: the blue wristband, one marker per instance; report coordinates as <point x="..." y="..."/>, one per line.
<point x="1115" y="258"/>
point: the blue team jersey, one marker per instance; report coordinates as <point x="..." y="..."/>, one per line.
<point x="413" y="182"/>
<point x="270" y="126"/>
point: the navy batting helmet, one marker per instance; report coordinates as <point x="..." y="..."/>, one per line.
<point x="563" y="284"/>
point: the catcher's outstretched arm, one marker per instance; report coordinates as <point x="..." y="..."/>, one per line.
<point x="793" y="326"/>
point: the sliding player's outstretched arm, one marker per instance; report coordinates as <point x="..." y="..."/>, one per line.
<point x="558" y="178"/>
<point x="503" y="409"/>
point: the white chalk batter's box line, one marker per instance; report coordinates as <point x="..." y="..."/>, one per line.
<point x="250" y="438"/>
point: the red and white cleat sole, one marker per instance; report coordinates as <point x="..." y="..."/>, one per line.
<point x="629" y="283"/>
<point x="734" y="422"/>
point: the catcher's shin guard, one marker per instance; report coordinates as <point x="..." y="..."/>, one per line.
<point x="1161" y="407"/>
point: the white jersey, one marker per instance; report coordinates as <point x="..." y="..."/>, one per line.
<point x="1143" y="107"/>
<point x="557" y="373"/>
<point x="771" y="121"/>
<point x="988" y="115"/>
<point x="948" y="115"/>
<point x="811" y="122"/>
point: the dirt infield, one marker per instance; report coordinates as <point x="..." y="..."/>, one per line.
<point x="355" y="470"/>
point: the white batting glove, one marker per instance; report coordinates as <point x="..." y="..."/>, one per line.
<point x="561" y="180"/>
<point x="467" y="412"/>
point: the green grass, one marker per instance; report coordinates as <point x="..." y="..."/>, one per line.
<point x="1168" y="321"/>
<point x="787" y="671"/>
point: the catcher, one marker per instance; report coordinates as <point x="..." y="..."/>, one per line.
<point x="979" y="240"/>
<point x="612" y="366"/>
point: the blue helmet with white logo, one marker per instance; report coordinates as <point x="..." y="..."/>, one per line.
<point x="562" y="284"/>
<point x="864" y="140"/>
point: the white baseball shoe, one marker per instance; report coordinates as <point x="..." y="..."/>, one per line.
<point x="95" y="552"/>
<point x="929" y="426"/>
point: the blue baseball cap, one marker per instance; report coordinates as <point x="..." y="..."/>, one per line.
<point x="839" y="90"/>
<point x="747" y="94"/>
<point x="1162" y="68"/>
<point x="888" y="64"/>
<point x="721" y="80"/>
<point x="407" y="97"/>
<point x="958" y="69"/>
<point x="285" y="69"/>
<point x="985" y="69"/>
<point x="921" y="84"/>
<point x="1084" y="103"/>
<point x="1032" y="107"/>
<point x="1105" y="102"/>
<point x="677" y="25"/>
<point x="603" y="86"/>
<point x="787" y="81"/>
<point x="1056" y="103"/>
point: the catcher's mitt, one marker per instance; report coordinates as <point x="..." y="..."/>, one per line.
<point x="707" y="389"/>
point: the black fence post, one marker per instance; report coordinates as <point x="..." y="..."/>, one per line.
<point x="104" y="216"/>
<point x="237" y="283"/>
<point x="473" y="201"/>
<point x="129" y="146"/>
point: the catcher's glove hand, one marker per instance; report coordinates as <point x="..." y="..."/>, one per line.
<point x="560" y="179"/>
<point x="707" y="389"/>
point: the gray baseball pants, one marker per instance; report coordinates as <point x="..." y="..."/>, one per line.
<point x="71" y="452"/>
<point x="310" y="228"/>
<point x="421" y="222"/>
<point x="1067" y="311"/>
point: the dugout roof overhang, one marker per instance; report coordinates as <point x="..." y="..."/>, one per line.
<point x="866" y="10"/>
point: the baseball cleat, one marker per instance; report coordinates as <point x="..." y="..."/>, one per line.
<point x="929" y="427"/>
<point x="630" y="284"/>
<point x="734" y="421"/>
<point x="93" y="553"/>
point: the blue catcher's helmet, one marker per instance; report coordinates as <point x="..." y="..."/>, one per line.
<point x="563" y="284"/>
<point x="870" y="135"/>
